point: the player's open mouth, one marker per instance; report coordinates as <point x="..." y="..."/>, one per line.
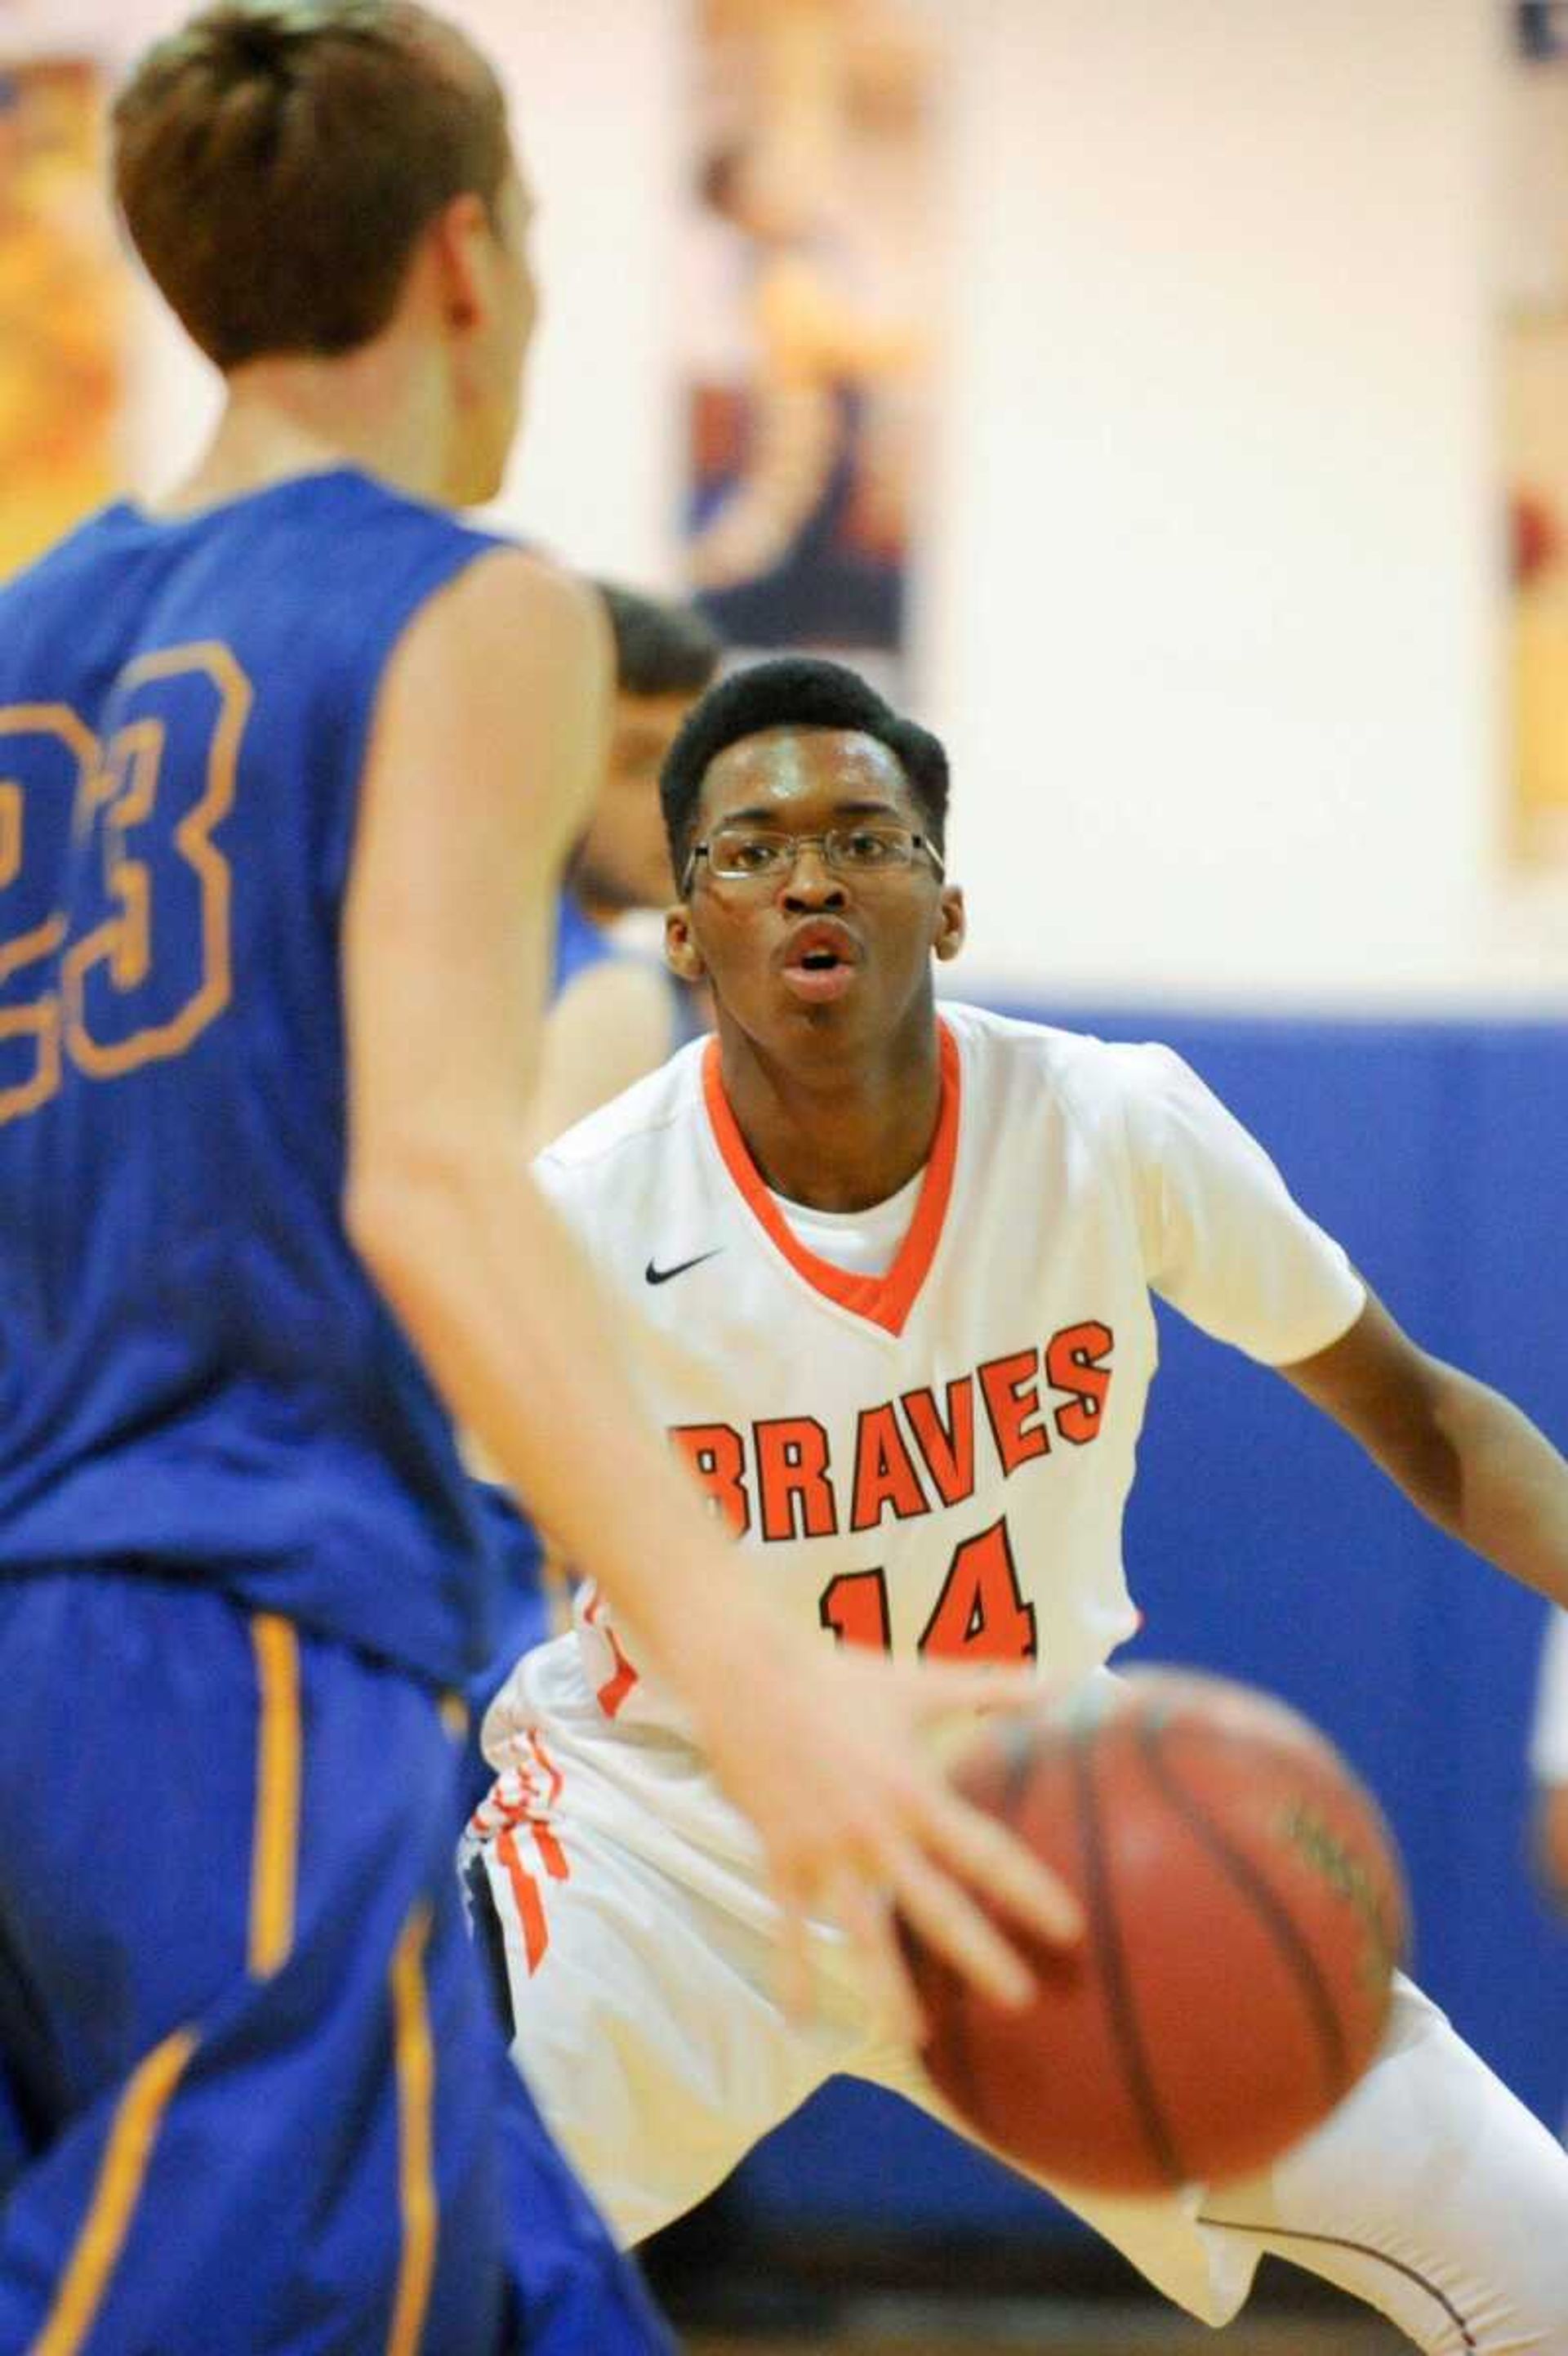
<point x="820" y="963"/>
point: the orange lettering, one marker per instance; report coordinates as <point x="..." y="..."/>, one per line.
<point x="855" y="1606"/>
<point x="1072" y="1364"/>
<point x="884" y="1475"/>
<point x="981" y="1615"/>
<point x="1011" y="1399"/>
<point x="948" y="1448"/>
<point x="715" y="1454"/>
<point x="791" y="1471"/>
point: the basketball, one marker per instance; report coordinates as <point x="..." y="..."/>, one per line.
<point x="1243" y="1911"/>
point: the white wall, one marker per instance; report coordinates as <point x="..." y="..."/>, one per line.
<point x="1211" y="621"/>
<point x="594" y="89"/>
<point x="1208" y="614"/>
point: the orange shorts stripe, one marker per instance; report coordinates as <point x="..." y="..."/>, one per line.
<point x="614" y="1690"/>
<point x="552" y="1857"/>
<point x="546" y="1763"/>
<point x="526" y="1896"/>
<point x="275" y="1853"/>
<point x="148" y="2092"/>
<point x="413" y="2056"/>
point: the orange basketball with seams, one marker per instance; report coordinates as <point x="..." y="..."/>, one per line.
<point x="1245" y="1911"/>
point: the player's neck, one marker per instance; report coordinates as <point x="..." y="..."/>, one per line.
<point x="302" y="416"/>
<point x="839" y="1136"/>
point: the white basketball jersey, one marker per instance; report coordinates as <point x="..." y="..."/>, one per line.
<point x="936" y="1459"/>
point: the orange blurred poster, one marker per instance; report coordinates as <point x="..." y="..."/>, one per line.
<point x="61" y="297"/>
<point x="807" y="299"/>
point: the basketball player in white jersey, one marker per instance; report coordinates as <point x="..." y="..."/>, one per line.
<point x="893" y="1271"/>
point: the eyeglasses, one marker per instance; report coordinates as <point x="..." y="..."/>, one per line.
<point x="748" y="855"/>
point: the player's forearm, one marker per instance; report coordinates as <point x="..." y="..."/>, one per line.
<point x="500" y="1303"/>
<point x="1489" y="1477"/>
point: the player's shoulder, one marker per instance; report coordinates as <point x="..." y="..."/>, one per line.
<point x="492" y="596"/>
<point x="1077" y="1070"/>
<point x="521" y="584"/>
<point x="634" y="1129"/>
<point x="56" y="572"/>
<point x="70" y="618"/>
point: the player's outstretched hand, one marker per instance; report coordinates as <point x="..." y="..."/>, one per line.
<point x="829" y="1756"/>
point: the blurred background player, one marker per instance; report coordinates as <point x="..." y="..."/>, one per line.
<point x="619" y="1012"/>
<point x="292" y="764"/>
<point x="859" y="1205"/>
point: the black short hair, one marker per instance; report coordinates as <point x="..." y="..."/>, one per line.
<point x="794" y="691"/>
<point x="660" y="648"/>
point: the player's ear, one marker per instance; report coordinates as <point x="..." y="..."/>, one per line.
<point x="947" y="938"/>
<point x="681" y="953"/>
<point x="456" y="246"/>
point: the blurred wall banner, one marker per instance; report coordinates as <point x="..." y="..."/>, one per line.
<point x="61" y="303"/>
<point x="1535" y="426"/>
<point x="809" y="294"/>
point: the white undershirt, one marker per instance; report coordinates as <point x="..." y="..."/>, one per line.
<point x="865" y="1243"/>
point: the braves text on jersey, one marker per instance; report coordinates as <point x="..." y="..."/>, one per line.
<point x="934" y="1460"/>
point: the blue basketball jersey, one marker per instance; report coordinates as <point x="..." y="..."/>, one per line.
<point x="197" y="1374"/>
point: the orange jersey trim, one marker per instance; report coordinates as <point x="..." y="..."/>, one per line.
<point x="884" y="1300"/>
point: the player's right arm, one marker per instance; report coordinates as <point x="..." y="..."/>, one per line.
<point x="1224" y="1242"/>
<point x="484" y="753"/>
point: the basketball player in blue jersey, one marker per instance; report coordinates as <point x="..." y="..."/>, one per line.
<point x="288" y="769"/>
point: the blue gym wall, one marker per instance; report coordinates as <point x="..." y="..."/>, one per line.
<point x="1261" y="1543"/>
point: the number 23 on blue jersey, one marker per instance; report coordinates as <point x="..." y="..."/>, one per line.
<point x="114" y="898"/>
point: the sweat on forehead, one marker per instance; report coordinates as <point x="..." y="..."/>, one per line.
<point x="790" y="760"/>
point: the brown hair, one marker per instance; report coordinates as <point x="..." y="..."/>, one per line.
<point x="276" y="161"/>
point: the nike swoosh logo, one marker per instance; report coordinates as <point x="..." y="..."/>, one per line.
<point x="662" y="1275"/>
